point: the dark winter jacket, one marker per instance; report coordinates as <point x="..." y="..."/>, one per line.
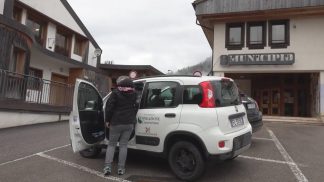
<point x="121" y="107"/>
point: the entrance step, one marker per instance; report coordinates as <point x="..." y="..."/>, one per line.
<point x="292" y="119"/>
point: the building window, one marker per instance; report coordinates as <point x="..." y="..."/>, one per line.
<point x="37" y="28"/>
<point x="34" y="82"/>
<point x="35" y="73"/>
<point x="279" y="34"/>
<point x="17" y="14"/>
<point x="62" y="45"/>
<point x="234" y="36"/>
<point x="256" y="35"/>
<point x="17" y="63"/>
<point x="79" y="46"/>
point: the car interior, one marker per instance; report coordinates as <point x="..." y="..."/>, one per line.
<point x="91" y="114"/>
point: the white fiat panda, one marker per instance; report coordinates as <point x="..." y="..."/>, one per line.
<point x="187" y="119"/>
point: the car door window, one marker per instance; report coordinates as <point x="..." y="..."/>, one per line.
<point x="161" y="95"/>
<point x="192" y="95"/>
<point x="90" y="113"/>
<point x="139" y="86"/>
<point x="88" y="98"/>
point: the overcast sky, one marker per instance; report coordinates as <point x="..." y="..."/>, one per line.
<point x="161" y="33"/>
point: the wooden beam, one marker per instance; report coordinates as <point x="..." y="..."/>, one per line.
<point x="259" y="15"/>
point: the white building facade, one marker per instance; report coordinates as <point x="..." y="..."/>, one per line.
<point x="273" y="49"/>
<point x="44" y="48"/>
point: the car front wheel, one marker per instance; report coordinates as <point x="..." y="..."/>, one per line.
<point x="92" y="152"/>
<point x="186" y="161"/>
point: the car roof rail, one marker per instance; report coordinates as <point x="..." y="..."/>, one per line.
<point x="165" y="76"/>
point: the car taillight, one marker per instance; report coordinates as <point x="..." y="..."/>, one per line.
<point x="208" y="99"/>
<point x="221" y="144"/>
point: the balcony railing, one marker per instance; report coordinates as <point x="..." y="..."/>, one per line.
<point x="24" y="89"/>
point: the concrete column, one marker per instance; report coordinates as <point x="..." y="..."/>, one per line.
<point x="23" y="17"/>
<point x="2" y="6"/>
<point x="321" y="87"/>
<point x="51" y="34"/>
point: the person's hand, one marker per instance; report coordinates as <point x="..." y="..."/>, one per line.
<point x="107" y="124"/>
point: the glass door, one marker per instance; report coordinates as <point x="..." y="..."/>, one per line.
<point x="275" y="102"/>
<point x="265" y="101"/>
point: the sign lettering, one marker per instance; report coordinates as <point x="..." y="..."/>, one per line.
<point x="258" y="59"/>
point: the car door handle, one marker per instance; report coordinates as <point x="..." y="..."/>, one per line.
<point x="170" y="115"/>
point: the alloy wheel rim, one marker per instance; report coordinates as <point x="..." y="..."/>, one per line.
<point x="185" y="161"/>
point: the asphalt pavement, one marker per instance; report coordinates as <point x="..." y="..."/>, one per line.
<point x="279" y="152"/>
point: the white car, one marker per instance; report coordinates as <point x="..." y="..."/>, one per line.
<point x="187" y="119"/>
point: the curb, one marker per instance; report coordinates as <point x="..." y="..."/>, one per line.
<point x="31" y="124"/>
<point x="300" y="122"/>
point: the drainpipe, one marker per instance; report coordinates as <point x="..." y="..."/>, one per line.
<point x="210" y="29"/>
<point x="212" y="67"/>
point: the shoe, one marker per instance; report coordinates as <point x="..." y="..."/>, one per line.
<point x="121" y="171"/>
<point x="107" y="170"/>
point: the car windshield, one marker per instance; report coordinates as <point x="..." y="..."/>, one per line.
<point x="226" y="93"/>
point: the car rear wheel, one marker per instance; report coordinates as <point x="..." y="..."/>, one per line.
<point x="92" y="152"/>
<point x="186" y="161"/>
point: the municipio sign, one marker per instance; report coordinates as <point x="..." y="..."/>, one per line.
<point x="258" y="59"/>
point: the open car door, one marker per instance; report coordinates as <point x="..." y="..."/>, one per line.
<point x="87" y="126"/>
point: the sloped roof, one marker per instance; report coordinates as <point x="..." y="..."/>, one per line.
<point x="130" y="67"/>
<point x="204" y="7"/>
<point x="79" y="22"/>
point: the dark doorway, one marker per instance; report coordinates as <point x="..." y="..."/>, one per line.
<point x="280" y="94"/>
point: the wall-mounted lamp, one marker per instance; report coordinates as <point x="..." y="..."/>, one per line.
<point x="50" y="42"/>
<point x="97" y="52"/>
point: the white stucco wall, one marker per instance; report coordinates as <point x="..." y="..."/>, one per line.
<point x="306" y="41"/>
<point x="92" y="60"/>
<point x="47" y="64"/>
<point x="12" y="119"/>
<point x="1" y="6"/>
<point x="55" y="10"/>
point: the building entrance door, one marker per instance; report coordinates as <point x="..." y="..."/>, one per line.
<point x="270" y="101"/>
<point x="58" y="90"/>
<point x="265" y="101"/>
<point x="282" y="94"/>
<point x="275" y="102"/>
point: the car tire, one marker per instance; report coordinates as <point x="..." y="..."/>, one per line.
<point x="92" y="152"/>
<point x="186" y="161"/>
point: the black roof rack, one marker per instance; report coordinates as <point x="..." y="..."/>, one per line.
<point x="159" y="76"/>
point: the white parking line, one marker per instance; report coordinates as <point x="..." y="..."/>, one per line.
<point x="292" y="165"/>
<point x="260" y="138"/>
<point x="267" y="160"/>
<point x="82" y="168"/>
<point x="32" y="155"/>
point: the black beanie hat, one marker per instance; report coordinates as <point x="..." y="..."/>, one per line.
<point x="125" y="82"/>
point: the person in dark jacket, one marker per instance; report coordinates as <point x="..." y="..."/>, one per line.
<point x="121" y="115"/>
